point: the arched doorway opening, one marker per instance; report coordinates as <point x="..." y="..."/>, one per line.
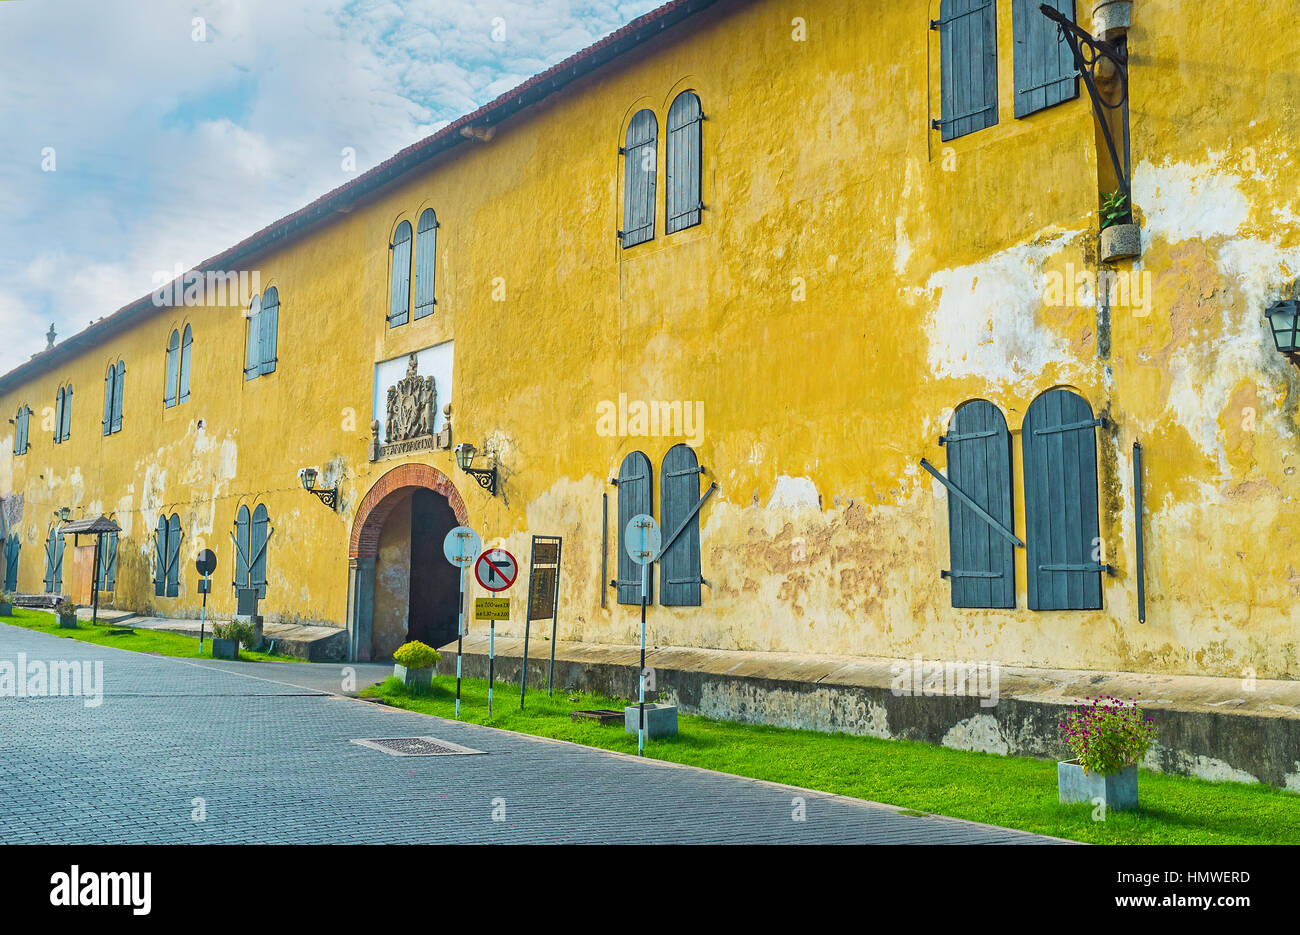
<point x="399" y="585"/>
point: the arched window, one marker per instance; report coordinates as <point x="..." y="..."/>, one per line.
<point x="980" y="537"/>
<point x="640" y="166"/>
<point x="63" y="414"/>
<point x="183" y="382"/>
<point x="12" y="547"/>
<point x="22" y="422"/>
<point x="54" y="562"/>
<point x="685" y="162"/>
<point x="635" y="496"/>
<point x="1062" y="525"/>
<point x="968" y="66"/>
<point x="263" y="334"/>
<point x="399" y="307"/>
<point x="426" y="240"/>
<point x="679" y="490"/>
<point x="114" y="383"/>
<point x="167" y="557"/>
<point x="173" y="369"/>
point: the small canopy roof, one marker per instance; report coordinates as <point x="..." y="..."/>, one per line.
<point x="90" y="526"/>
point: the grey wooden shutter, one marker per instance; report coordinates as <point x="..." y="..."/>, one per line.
<point x="640" y="166"/>
<point x="426" y="241"/>
<point x="58" y="564"/>
<point x="979" y="464"/>
<point x="400" y="300"/>
<point x="270" y="330"/>
<point x="968" y="66"/>
<point x="257" y="550"/>
<point x="635" y="496"/>
<point x="1044" y="66"/>
<point x="685" y="161"/>
<point x="173" y="368"/>
<point x="110" y="386"/>
<point x="119" y="386"/>
<point x="108" y="562"/>
<point x="67" y="413"/>
<point x="12" y="548"/>
<point x="160" y="559"/>
<point x="1061" y="519"/>
<point x="679" y="490"/>
<point x="253" y="353"/>
<point x="183" y="381"/>
<point x="242" y="530"/>
<point x="173" y="556"/>
<point x="49" y="563"/>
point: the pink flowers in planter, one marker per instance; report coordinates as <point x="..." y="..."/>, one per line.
<point x="1108" y="734"/>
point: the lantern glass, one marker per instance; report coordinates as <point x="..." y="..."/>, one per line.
<point x="1284" y="319"/>
<point x="465" y="455"/>
<point x="308" y="478"/>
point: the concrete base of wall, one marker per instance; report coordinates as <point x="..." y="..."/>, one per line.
<point x="1213" y="728"/>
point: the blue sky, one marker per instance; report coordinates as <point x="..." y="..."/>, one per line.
<point x="170" y="140"/>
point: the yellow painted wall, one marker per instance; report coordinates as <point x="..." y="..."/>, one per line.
<point x="854" y="279"/>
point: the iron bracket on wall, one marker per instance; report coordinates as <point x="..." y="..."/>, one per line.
<point x="328" y="496"/>
<point x="1090" y="54"/>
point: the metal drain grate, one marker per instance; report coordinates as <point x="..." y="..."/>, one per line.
<point x="416" y="746"/>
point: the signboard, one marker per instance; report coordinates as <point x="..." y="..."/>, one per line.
<point x="461" y="546"/>
<point x="546" y="551"/>
<point x="491" y="608"/>
<point x="496" y="569"/>
<point x="642" y="538"/>
<point x="206" y="562"/>
<point x="541" y="593"/>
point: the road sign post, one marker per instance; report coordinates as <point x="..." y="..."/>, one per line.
<point x="461" y="548"/>
<point x="205" y="563"/>
<point x="643" y="540"/>
<point x="543" y="600"/>
<point x="496" y="570"/>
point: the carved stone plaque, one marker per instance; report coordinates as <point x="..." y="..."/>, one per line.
<point x="410" y="417"/>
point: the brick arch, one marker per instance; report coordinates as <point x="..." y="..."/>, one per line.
<point x="383" y="496"/>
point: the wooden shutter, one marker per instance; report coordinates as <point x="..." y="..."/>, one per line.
<point x="173" y="368"/>
<point x="640" y="165"/>
<point x="20" y="430"/>
<point x="110" y="387"/>
<point x="679" y="488"/>
<point x="49" y="563"/>
<point x="242" y="530"/>
<point x="173" y="556"/>
<point x="426" y="240"/>
<point x="684" y="160"/>
<point x="12" y="548"/>
<point x="108" y="561"/>
<point x="270" y="328"/>
<point x="1044" y="66"/>
<point x="183" y="381"/>
<point x="1061" y="519"/>
<point x="257" y="550"/>
<point x="58" y="564"/>
<point x="979" y="464"/>
<point x="253" y="353"/>
<point x="635" y="496"/>
<point x="160" y="559"/>
<point x="400" y="294"/>
<point x="968" y="66"/>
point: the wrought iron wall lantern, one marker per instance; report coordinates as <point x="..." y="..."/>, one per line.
<point x="327" y="495"/>
<point x="486" y="477"/>
<point x="1284" y="321"/>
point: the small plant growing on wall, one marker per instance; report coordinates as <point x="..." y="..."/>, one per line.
<point x="1115" y="209"/>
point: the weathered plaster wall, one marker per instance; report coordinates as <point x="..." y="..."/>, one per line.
<point x="854" y="280"/>
<point x="393" y="581"/>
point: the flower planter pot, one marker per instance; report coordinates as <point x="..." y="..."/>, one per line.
<point x="1111" y="17"/>
<point x="6" y="610"/>
<point x="225" y="649"/>
<point x="68" y="622"/>
<point x="1118" y="790"/>
<point x="1119" y="242"/>
<point x="413" y="676"/>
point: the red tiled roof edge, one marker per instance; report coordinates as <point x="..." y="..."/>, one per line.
<point x="640" y="30"/>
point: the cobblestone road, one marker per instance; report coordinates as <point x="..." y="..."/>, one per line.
<point x="268" y="762"/>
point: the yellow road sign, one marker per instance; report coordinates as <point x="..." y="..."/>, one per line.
<point x="491" y="608"/>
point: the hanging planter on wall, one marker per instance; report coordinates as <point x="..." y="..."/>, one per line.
<point x="1120" y="237"/>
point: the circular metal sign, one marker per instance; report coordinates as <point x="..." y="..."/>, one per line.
<point x="496" y="569"/>
<point x="642" y="539"/>
<point x="461" y="546"/>
<point x="206" y="562"/>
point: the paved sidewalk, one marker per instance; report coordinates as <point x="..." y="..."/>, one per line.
<point x="265" y="761"/>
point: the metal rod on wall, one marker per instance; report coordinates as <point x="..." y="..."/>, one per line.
<point x="1137" y="522"/>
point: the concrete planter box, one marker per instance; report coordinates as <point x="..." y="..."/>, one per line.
<point x="6" y="610"/>
<point x="1120" y="242"/>
<point x="1111" y="17"/>
<point x="224" y="649"/>
<point x="660" y="720"/>
<point x="413" y="676"/>
<point x="68" y="623"/>
<point x="259" y="640"/>
<point x="1118" y="790"/>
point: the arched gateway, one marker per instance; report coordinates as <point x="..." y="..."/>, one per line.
<point x="399" y="585"/>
